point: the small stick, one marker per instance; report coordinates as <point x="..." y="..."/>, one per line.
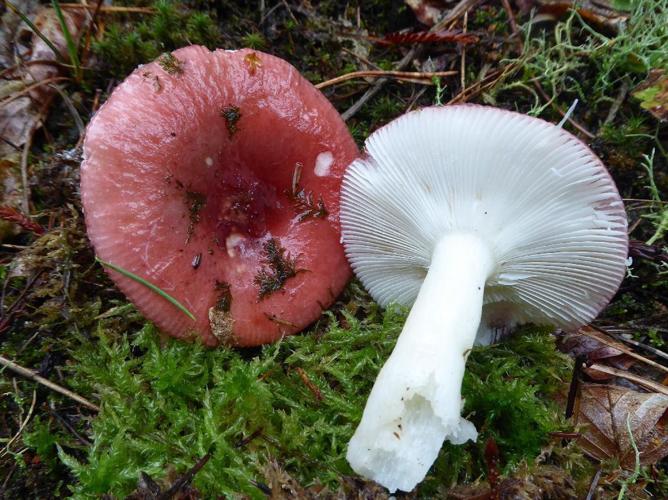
<point x="462" y="71"/>
<point x="307" y="381"/>
<point x="400" y="75"/>
<point x="287" y="7"/>
<point x="542" y="92"/>
<point x="575" y="384"/>
<point x="513" y="24"/>
<point x="23" y="424"/>
<point x="484" y="83"/>
<point x="31" y="375"/>
<point x="594" y="483"/>
<point x="110" y="8"/>
<point x="637" y="344"/>
<point x="565" y="435"/>
<point x="626" y="351"/>
<point x="623" y="90"/>
<point x="454" y="13"/>
<point x="360" y="58"/>
<point x="25" y="198"/>
<point x="648" y="384"/>
<point x="33" y="86"/>
<point x="185" y="479"/>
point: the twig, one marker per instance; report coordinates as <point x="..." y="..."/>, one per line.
<point x="489" y="81"/>
<point x="62" y="421"/>
<point x="29" y="88"/>
<point x="454" y="13"/>
<point x="360" y="58"/>
<point x="578" y="126"/>
<point x="623" y="90"/>
<point x="110" y="8"/>
<point x="575" y="384"/>
<point x="31" y="375"/>
<point x="25" y="192"/>
<point x="413" y="76"/>
<point x="23" y="424"/>
<point x="185" y="479"/>
<point x="648" y="384"/>
<point x="352" y="110"/>
<point x="513" y="24"/>
<point x="265" y="16"/>
<point x="70" y="107"/>
<point x="639" y="345"/>
<point x="41" y="62"/>
<point x="287" y="7"/>
<point x="624" y="350"/>
<point x="594" y="483"/>
<point x="462" y="70"/>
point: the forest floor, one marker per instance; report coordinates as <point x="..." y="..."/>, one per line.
<point x="578" y="415"/>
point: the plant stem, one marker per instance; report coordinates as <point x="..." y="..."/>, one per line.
<point x="416" y="402"/>
<point x="149" y="285"/>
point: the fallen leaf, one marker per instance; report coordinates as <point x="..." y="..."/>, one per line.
<point x="653" y="94"/>
<point x="22" y="109"/>
<point x="596" y="345"/>
<point x="541" y="482"/>
<point x="605" y="409"/>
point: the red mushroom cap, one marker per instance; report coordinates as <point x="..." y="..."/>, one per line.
<point x="215" y="176"/>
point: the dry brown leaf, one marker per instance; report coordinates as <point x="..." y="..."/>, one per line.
<point x="21" y="110"/>
<point x="596" y="345"/>
<point x="605" y="409"/>
<point x="541" y="482"/>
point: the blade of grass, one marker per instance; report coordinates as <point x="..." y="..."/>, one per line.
<point x="149" y="285"/>
<point x="34" y="28"/>
<point x="72" y="49"/>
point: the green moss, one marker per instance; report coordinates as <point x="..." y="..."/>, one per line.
<point x="166" y="405"/>
<point x="254" y="40"/>
<point x="127" y="44"/>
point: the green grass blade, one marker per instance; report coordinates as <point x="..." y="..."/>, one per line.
<point x="72" y="48"/>
<point x="35" y="29"/>
<point x="150" y="286"/>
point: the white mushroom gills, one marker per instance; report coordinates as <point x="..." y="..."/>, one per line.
<point x="480" y="219"/>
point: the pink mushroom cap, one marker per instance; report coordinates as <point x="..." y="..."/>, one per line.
<point x="215" y="176"/>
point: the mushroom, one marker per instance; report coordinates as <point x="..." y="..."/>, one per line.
<point x="214" y="178"/>
<point x="481" y="219"/>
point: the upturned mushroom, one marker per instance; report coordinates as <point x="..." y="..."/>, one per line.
<point x="480" y="219"/>
<point x="214" y="178"/>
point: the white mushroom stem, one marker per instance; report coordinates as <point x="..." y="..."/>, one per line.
<point x="416" y="401"/>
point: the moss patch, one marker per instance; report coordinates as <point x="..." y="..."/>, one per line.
<point x="166" y="406"/>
